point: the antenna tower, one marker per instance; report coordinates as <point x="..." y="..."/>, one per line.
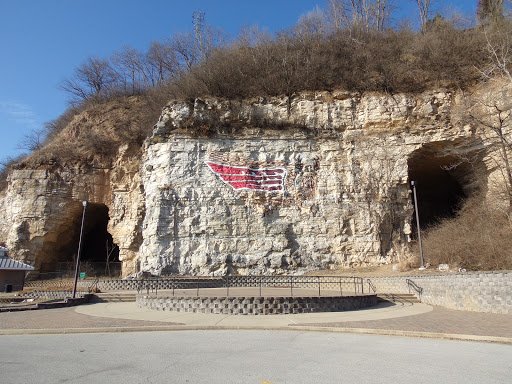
<point x="198" y="22"/>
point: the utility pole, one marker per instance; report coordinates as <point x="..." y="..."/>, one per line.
<point x="198" y="22"/>
<point x="77" y="269"/>
<point x="413" y="183"/>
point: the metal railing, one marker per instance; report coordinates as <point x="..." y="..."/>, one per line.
<point x="339" y="284"/>
<point x="413" y="286"/>
<point x="91" y="269"/>
<point x="93" y="287"/>
<point x="371" y="286"/>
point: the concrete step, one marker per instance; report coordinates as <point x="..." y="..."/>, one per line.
<point x="398" y="297"/>
<point x="113" y="297"/>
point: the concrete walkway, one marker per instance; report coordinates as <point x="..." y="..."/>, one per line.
<point x="132" y="312"/>
<point x="405" y="319"/>
<point x="412" y="320"/>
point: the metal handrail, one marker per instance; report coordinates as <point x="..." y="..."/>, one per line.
<point x="257" y="281"/>
<point x="93" y="287"/>
<point x="371" y="286"/>
<point x="414" y="286"/>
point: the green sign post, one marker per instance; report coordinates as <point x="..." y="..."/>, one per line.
<point x="82" y="275"/>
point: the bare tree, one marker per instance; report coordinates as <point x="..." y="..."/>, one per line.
<point x="95" y="77"/>
<point x="312" y="23"/>
<point x="366" y="14"/>
<point x="131" y="67"/>
<point x="183" y="45"/>
<point x="492" y="112"/>
<point x="424" y="8"/>
<point x="162" y="59"/>
<point x="32" y="141"/>
<point x="383" y="9"/>
<point x="490" y="11"/>
<point x="336" y="14"/>
<point x="499" y="47"/>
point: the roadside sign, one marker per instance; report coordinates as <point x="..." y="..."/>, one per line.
<point x="82" y="275"/>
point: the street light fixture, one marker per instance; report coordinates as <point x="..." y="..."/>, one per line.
<point x="84" y="203"/>
<point x="413" y="183"/>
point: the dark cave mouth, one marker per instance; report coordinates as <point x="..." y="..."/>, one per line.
<point x="97" y="243"/>
<point x="443" y="183"/>
<point x="99" y="254"/>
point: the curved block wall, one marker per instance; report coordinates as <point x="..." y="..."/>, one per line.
<point x="257" y="305"/>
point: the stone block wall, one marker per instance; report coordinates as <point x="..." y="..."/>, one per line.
<point x="256" y="305"/>
<point x="53" y="294"/>
<point x="470" y="291"/>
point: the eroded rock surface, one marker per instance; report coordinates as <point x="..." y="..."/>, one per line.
<point x="263" y="186"/>
<point x="342" y="199"/>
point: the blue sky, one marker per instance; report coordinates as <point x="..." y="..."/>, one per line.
<point x="43" y="41"/>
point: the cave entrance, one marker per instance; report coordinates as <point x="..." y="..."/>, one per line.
<point x="444" y="181"/>
<point x="99" y="255"/>
<point x="97" y="243"/>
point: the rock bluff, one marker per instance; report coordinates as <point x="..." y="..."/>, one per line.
<point x="263" y="186"/>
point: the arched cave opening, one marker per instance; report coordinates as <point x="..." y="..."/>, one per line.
<point x="97" y="243"/>
<point x="98" y="246"/>
<point x="444" y="179"/>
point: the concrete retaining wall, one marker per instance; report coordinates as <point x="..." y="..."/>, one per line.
<point x="53" y="294"/>
<point x="256" y="305"/>
<point x="469" y="291"/>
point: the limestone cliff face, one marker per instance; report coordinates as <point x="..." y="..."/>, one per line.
<point x="339" y="165"/>
<point x="41" y="208"/>
<point x="276" y="185"/>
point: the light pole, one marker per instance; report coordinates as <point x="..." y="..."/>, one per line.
<point x="84" y="203"/>
<point x="413" y="183"/>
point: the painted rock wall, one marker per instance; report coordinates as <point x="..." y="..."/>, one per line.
<point x="329" y="188"/>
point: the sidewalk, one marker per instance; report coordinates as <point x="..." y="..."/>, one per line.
<point x="414" y="320"/>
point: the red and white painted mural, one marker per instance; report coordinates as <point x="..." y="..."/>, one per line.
<point x="259" y="179"/>
<point x="283" y="183"/>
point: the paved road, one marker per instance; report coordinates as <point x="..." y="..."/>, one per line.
<point x="248" y="357"/>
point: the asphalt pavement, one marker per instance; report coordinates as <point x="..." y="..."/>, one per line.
<point x="249" y="356"/>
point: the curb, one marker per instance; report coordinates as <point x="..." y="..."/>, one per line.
<point x="386" y="332"/>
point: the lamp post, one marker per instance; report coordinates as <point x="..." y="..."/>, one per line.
<point x="413" y="183"/>
<point x="84" y="203"/>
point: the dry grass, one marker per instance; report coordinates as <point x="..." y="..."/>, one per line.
<point x="479" y="238"/>
<point x="396" y="61"/>
<point x="97" y="131"/>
